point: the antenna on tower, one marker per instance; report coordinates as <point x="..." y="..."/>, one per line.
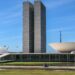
<point x="60" y="36"/>
<point x="16" y="43"/>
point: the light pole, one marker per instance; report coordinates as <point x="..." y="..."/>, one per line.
<point x="60" y="36"/>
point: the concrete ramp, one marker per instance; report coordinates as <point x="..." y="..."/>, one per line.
<point x="3" y="55"/>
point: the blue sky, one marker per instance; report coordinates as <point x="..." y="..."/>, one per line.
<point x="60" y="15"/>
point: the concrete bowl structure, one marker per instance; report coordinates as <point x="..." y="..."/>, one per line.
<point x="3" y="50"/>
<point x="65" y="47"/>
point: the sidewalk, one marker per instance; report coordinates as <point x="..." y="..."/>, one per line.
<point x="39" y="67"/>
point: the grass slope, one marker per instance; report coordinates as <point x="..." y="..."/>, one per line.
<point x="35" y="72"/>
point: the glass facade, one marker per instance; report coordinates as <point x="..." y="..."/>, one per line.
<point x="41" y="57"/>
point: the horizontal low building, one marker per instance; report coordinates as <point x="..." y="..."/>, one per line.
<point x="38" y="57"/>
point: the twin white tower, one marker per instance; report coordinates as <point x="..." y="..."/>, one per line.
<point x="34" y="27"/>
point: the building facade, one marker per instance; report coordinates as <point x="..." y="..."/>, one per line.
<point x="39" y="27"/>
<point x="39" y="57"/>
<point x="28" y="27"/>
<point x="34" y="27"/>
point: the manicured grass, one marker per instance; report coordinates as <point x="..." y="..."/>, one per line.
<point x="30" y="63"/>
<point x="36" y="63"/>
<point x="33" y="63"/>
<point x="35" y="72"/>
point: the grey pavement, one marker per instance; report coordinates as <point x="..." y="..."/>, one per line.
<point x="39" y="67"/>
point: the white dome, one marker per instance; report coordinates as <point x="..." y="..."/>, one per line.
<point x="73" y="52"/>
<point x="3" y="50"/>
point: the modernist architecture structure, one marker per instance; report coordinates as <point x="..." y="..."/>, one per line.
<point x="39" y="27"/>
<point x="28" y="27"/>
<point x="34" y="27"/>
<point x="34" y="39"/>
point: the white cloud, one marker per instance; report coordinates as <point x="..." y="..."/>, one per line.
<point x="30" y="0"/>
<point x="50" y="4"/>
<point x="9" y="19"/>
<point x="9" y="15"/>
<point x="61" y="29"/>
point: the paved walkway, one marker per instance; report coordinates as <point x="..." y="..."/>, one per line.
<point x="40" y="67"/>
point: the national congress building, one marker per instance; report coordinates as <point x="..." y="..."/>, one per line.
<point x="34" y="27"/>
<point x="34" y="38"/>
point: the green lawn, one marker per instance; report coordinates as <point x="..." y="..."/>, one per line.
<point x="28" y="63"/>
<point x="35" y="72"/>
<point x="35" y="63"/>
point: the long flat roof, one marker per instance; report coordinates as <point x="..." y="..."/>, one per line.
<point x="35" y="53"/>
